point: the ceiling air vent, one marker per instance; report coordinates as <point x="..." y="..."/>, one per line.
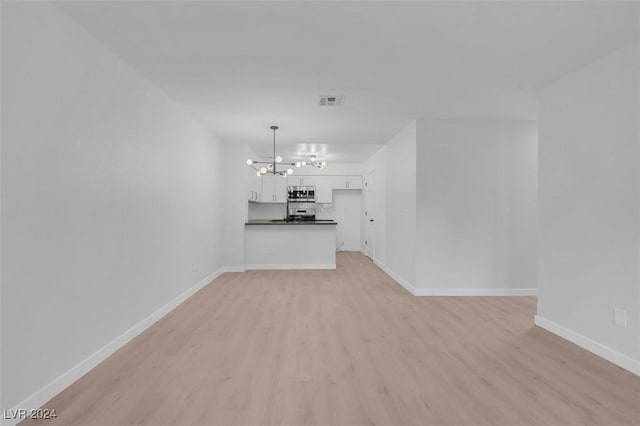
<point x="332" y="100"/>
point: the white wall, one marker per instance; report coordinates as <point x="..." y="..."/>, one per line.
<point x="234" y="203"/>
<point x="110" y="194"/>
<point x="476" y="207"/>
<point x="345" y="210"/>
<point x="589" y="205"/>
<point x="401" y="204"/>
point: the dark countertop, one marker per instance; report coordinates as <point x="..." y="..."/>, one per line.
<point x="285" y="222"/>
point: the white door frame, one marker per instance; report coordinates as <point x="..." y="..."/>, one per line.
<point x="368" y="214"/>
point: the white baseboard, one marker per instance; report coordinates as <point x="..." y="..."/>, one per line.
<point x="63" y="381"/>
<point x="291" y="266"/>
<point x="455" y="291"/>
<point x="234" y="269"/>
<point x="349" y="248"/>
<point x="611" y="355"/>
<point x="475" y="292"/>
<point x="404" y="283"/>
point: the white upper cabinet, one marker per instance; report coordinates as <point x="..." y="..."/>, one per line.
<point x="347" y="182"/>
<point x="274" y="189"/>
<point x="281" y="190"/>
<point x="324" y="188"/>
<point x="269" y="189"/>
<point x="254" y="190"/>
<point x="294" y="180"/>
<point x="354" y="182"/>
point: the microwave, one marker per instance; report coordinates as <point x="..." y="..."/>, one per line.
<point x="301" y="194"/>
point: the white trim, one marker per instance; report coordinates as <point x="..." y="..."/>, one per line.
<point x="611" y="355"/>
<point x="233" y="269"/>
<point x="349" y="248"/>
<point x="404" y="283"/>
<point x="475" y="292"/>
<point x="270" y="266"/>
<point x="63" y="381"/>
<point x="455" y="291"/>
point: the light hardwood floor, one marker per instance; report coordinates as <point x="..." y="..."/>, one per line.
<point x="347" y="347"/>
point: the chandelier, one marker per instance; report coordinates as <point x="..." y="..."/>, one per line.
<point x="315" y="163"/>
<point x="271" y="167"/>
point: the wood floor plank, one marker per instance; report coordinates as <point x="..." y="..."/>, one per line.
<point x="347" y="347"/>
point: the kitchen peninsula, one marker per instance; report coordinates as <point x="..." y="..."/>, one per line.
<point x="282" y="244"/>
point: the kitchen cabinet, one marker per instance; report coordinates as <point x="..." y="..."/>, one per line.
<point x="274" y="189"/>
<point x="301" y="180"/>
<point x="324" y="193"/>
<point x="347" y="182"/>
<point x="254" y="189"/>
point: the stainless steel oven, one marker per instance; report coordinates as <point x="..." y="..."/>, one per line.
<point x="301" y="211"/>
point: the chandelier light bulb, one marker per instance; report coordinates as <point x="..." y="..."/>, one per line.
<point x="289" y="171"/>
<point x="324" y="163"/>
<point x="304" y="163"/>
<point x="263" y="170"/>
<point x="249" y="162"/>
<point x="278" y="159"/>
<point x="298" y="164"/>
<point x="313" y="158"/>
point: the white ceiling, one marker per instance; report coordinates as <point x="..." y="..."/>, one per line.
<point x="242" y="66"/>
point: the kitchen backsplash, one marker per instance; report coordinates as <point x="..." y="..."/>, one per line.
<point x="267" y="211"/>
<point x="278" y="211"/>
<point x="324" y="211"/>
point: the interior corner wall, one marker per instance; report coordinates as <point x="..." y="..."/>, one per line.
<point x="110" y="198"/>
<point x="476" y="207"/>
<point x="589" y="248"/>
<point x="400" y="209"/>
